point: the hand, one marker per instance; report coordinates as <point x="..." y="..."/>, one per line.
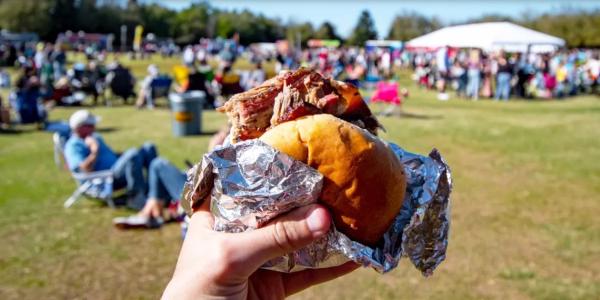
<point x="226" y="265"/>
<point x="92" y="143"/>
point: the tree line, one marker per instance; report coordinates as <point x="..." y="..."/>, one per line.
<point x="48" y="18"/>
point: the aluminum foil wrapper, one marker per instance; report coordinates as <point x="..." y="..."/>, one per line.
<point x="249" y="183"/>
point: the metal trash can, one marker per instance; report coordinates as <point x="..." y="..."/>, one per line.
<point x="187" y="112"/>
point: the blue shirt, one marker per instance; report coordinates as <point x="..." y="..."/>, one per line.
<point x="76" y="151"/>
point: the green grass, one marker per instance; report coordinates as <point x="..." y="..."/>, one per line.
<point x="524" y="208"/>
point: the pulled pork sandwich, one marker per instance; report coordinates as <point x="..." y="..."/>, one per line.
<point x="327" y="125"/>
<point x="291" y="95"/>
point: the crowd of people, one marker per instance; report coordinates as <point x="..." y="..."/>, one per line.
<point x="499" y="75"/>
<point x="44" y="79"/>
<point x="471" y="73"/>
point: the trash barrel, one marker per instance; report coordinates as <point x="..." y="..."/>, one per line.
<point x="187" y="112"/>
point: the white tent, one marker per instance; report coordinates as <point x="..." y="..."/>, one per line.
<point x="489" y="36"/>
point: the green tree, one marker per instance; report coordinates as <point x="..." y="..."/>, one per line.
<point x="26" y="15"/>
<point x="364" y="30"/>
<point x="327" y="32"/>
<point x="410" y="25"/>
<point x="63" y="16"/>
<point x="192" y="23"/>
<point x="299" y="33"/>
<point x="491" y="18"/>
<point x="157" y="19"/>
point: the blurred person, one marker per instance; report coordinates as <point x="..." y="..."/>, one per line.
<point x="229" y="81"/>
<point x="199" y="79"/>
<point x="459" y="74"/>
<point x="503" y="78"/>
<point x="60" y="90"/>
<point x="86" y="151"/>
<point x="256" y="77"/>
<point x="165" y="185"/>
<point x="561" y="80"/>
<point x="59" y="59"/>
<point x="146" y="88"/>
<point x="473" y="75"/>
<point x="188" y="56"/>
<point x="488" y="76"/>
<point x="121" y="81"/>
<point x="4" y="115"/>
<point x="93" y="80"/>
<point x="4" y="79"/>
<point x="206" y="69"/>
<point x="442" y="70"/>
<point x="28" y="81"/>
<point x="522" y="74"/>
<point x="593" y="71"/>
<point x="549" y="81"/>
<point x="386" y="64"/>
<point x="227" y="265"/>
<point x="40" y="56"/>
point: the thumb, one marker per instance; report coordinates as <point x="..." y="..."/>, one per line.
<point x="285" y="234"/>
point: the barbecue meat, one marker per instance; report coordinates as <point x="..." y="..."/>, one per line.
<point x="291" y="95"/>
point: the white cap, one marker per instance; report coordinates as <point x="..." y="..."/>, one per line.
<point x="82" y="117"/>
<point x="153" y="70"/>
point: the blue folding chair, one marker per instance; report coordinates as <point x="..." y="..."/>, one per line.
<point x="159" y="87"/>
<point x="96" y="185"/>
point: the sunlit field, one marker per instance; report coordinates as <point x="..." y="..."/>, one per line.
<point x="525" y="205"/>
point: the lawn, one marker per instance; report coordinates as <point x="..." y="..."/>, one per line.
<point x="525" y="207"/>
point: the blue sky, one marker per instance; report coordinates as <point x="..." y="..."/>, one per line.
<point x="344" y="14"/>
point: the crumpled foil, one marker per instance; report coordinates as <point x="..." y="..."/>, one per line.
<point x="250" y="183"/>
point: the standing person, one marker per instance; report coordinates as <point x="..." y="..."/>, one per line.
<point x="474" y="74"/>
<point x="561" y="80"/>
<point x="505" y="71"/>
<point x="441" y="59"/>
<point x="522" y="75"/>
<point x="85" y="151"/>
<point x="59" y="59"/>
<point x="592" y="67"/>
<point x="386" y="63"/>
<point x="188" y="56"/>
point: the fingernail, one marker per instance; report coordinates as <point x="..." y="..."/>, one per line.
<point x="317" y="220"/>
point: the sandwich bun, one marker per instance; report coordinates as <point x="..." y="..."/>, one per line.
<point x="364" y="182"/>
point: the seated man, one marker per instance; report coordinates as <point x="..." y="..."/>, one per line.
<point x="85" y="151"/>
<point x="165" y="185"/>
<point x="121" y="81"/>
<point x="145" y="94"/>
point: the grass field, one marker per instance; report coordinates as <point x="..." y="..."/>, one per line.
<point x="525" y="207"/>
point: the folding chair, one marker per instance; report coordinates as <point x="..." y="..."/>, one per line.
<point x="159" y="87"/>
<point x="387" y="92"/>
<point x="97" y="185"/>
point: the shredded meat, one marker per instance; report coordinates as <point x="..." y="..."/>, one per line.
<point x="292" y="95"/>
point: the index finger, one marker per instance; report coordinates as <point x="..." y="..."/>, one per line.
<point x="202" y="215"/>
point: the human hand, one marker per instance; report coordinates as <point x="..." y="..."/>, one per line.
<point x="92" y="143"/>
<point x="226" y="265"/>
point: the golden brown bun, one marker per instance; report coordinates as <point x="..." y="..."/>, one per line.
<point x="364" y="182"/>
